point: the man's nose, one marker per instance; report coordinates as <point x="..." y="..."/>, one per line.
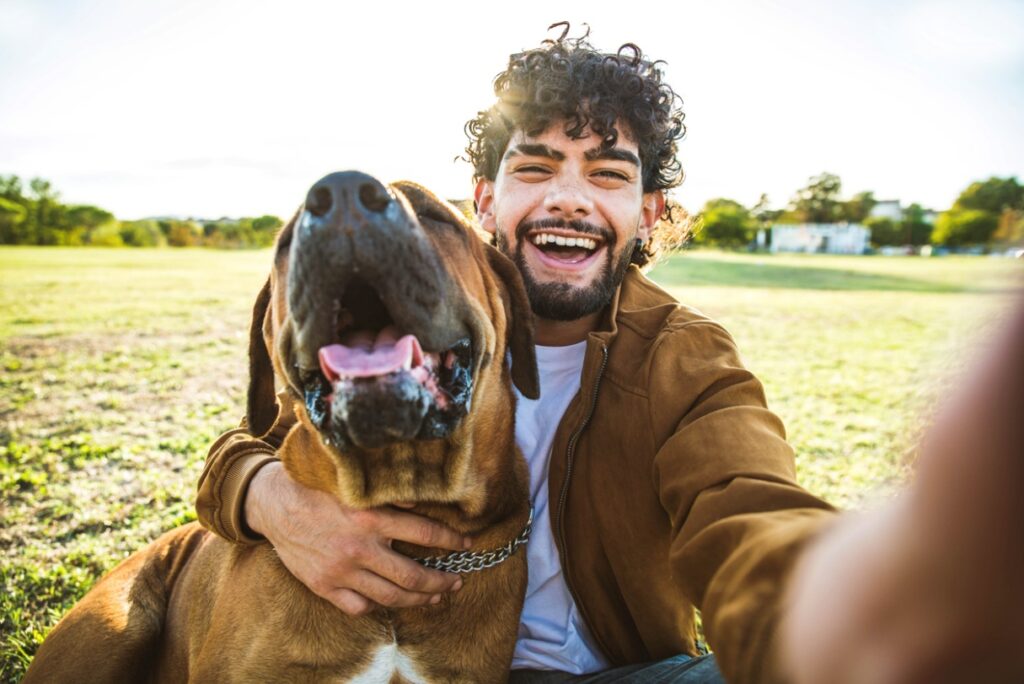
<point x="570" y="198"/>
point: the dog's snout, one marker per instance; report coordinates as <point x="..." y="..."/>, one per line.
<point x="374" y="196"/>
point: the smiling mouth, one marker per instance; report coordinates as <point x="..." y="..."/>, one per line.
<point x="569" y="248"/>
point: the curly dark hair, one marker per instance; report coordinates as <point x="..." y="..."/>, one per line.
<point x="567" y="79"/>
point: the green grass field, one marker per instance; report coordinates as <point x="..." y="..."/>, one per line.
<point x="120" y="367"/>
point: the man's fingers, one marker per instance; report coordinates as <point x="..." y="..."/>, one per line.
<point x="388" y="594"/>
<point x="409" y="575"/>
<point x="416" y="529"/>
<point x="349" y="601"/>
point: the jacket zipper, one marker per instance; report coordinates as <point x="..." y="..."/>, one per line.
<point x="569" y="453"/>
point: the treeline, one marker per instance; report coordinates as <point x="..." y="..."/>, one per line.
<point x="988" y="213"/>
<point x="36" y="216"/>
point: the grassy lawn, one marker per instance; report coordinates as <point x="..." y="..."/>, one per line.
<point x="119" y="367"/>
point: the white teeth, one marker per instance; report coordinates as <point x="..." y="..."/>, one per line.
<point x="541" y="239"/>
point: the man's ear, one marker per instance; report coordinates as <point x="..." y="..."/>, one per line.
<point x="483" y="195"/>
<point x="261" y="407"/>
<point x="519" y="316"/>
<point x="652" y="209"/>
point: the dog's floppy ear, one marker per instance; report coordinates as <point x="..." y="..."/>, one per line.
<point x="261" y="406"/>
<point x="520" y="324"/>
<point x="426" y="203"/>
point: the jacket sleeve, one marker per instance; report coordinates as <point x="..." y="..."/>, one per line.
<point x="232" y="462"/>
<point x="727" y="478"/>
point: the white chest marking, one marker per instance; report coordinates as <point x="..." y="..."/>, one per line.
<point x="387" y="662"/>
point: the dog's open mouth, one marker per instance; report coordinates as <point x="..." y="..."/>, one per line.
<point x="377" y="385"/>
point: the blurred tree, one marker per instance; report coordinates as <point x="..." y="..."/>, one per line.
<point x="884" y="231"/>
<point x="107" y="235"/>
<point x="915" y="229"/>
<point x="818" y="202"/>
<point x="959" y="227"/>
<point x="265" y="229"/>
<point x="78" y="223"/>
<point x="1011" y="227"/>
<point x="45" y="213"/>
<point x="992" y="195"/>
<point x="763" y="213"/>
<point x="10" y="189"/>
<point x="858" y="208"/>
<point x="181" y="233"/>
<point x="143" y="233"/>
<point x="725" y="223"/>
<point x="12" y="218"/>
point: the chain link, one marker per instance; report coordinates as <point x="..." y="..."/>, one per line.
<point x="471" y="561"/>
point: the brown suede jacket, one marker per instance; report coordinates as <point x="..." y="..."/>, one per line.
<point x="672" y="486"/>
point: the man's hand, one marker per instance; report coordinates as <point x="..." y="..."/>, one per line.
<point x="931" y="587"/>
<point x="344" y="554"/>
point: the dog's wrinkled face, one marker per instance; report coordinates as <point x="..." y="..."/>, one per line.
<point x="384" y="339"/>
<point x="385" y="312"/>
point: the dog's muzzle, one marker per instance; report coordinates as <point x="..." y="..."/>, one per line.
<point x="380" y="349"/>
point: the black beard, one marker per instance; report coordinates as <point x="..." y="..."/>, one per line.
<point x="562" y="301"/>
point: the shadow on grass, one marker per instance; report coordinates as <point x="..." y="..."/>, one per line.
<point x="681" y="271"/>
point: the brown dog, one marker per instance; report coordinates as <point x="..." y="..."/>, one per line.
<point x="387" y="320"/>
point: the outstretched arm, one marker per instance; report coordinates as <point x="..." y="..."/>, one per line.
<point x="931" y="587"/>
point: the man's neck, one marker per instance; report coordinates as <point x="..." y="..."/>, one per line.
<point x="551" y="333"/>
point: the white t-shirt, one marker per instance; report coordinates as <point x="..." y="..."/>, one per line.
<point x="552" y="635"/>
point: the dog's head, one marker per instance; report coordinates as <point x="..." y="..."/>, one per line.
<point x="387" y="320"/>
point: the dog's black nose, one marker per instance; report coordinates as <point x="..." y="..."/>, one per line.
<point x="358" y="190"/>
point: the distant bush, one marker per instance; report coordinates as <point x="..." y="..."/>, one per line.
<point x="144" y="233"/>
<point x="107" y="235"/>
<point x="725" y="223"/>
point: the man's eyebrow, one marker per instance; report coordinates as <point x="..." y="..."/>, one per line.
<point x="534" y="150"/>
<point x="612" y="154"/>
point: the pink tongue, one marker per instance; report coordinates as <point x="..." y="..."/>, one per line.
<point x="365" y="355"/>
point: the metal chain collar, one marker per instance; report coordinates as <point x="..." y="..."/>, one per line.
<point x="470" y="561"/>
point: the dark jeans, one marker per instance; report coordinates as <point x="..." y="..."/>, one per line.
<point x="680" y="669"/>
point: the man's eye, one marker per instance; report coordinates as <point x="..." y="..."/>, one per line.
<point x="531" y="169"/>
<point x="612" y="175"/>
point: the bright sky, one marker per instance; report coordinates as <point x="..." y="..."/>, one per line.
<point x="218" y="107"/>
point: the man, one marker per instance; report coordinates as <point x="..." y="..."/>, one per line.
<point x="660" y="481"/>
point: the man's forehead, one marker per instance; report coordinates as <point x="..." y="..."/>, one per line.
<point x="554" y="142"/>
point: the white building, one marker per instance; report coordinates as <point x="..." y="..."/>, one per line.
<point x="889" y="209"/>
<point x="820" y="238"/>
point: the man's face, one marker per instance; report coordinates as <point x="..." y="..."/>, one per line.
<point x="568" y="213"/>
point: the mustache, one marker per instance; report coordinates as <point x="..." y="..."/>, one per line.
<point x="577" y="225"/>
